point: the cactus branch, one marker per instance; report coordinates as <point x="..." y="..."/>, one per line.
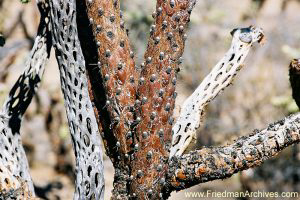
<point x="115" y="69"/>
<point x="14" y="170"/>
<point x="112" y="79"/>
<point x="156" y="96"/>
<point x="84" y="132"/>
<point x="217" y="80"/>
<point x="214" y="163"/>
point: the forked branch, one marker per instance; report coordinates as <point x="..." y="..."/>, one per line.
<point x="217" y="80"/>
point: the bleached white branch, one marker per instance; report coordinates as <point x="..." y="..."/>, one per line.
<point x="15" y="179"/>
<point x="85" y="136"/>
<point x="217" y="80"/>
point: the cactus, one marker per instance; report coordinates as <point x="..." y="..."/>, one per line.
<point x="84" y="132"/>
<point x="220" y="77"/>
<point x="109" y="99"/>
<point x="15" y="180"/>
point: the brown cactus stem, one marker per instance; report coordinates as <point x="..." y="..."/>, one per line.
<point x="156" y="93"/>
<point x="116" y="65"/>
<point x="294" y="72"/>
<point x="214" y="163"/>
<point x="113" y="74"/>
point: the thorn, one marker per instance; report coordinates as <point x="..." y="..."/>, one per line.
<point x="149" y="59"/>
<point x="107" y="53"/>
<point x="161" y="92"/>
<point x="122" y="43"/>
<point x="136" y="147"/>
<point x="142" y="80"/>
<point x="154" y="14"/>
<point x="153" y="115"/>
<point x="168" y="106"/>
<point x="100" y="12"/>
<point x="169" y="69"/>
<point x="156" y="40"/>
<point x="181" y="29"/>
<point x="91" y="20"/>
<point x="139" y="173"/>
<point x="161" y="55"/>
<point x="164" y="24"/>
<point x="112" y="18"/>
<point x="161" y="132"/>
<point x="118" y="91"/>
<point x="144" y="100"/>
<point x="106" y="77"/>
<point x="131" y="54"/>
<point x="149" y="155"/>
<point x="98" y="29"/>
<point x="172" y="3"/>
<point x="170" y="35"/>
<point x="145" y="135"/>
<point x="159" y="10"/>
<point x="153" y="77"/>
<point x="159" y="168"/>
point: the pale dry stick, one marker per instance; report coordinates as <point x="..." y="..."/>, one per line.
<point x="14" y="169"/>
<point x="217" y="80"/>
<point x="86" y="139"/>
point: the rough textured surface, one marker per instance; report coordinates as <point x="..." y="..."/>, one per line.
<point x="134" y="114"/>
<point x="82" y="122"/>
<point x="15" y="180"/>
<point x="294" y="72"/>
<point x="156" y="96"/>
<point x="217" y="80"/>
<point x="113" y="81"/>
<point x="214" y="163"/>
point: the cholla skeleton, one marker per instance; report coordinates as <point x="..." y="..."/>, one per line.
<point x="14" y="168"/>
<point x="220" y="77"/>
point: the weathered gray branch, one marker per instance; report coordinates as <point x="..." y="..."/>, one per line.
<point x="216" y="81"/>
<point x="209" y="164"/>
<point x="85" y="136"/>
<point x="14" y="171"/>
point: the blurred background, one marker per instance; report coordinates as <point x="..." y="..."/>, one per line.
<point x="259" y="95"/>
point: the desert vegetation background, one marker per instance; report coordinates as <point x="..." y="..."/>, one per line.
<point x="260" y="94"/>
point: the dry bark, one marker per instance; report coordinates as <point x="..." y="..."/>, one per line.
<point x="213" y="163"/>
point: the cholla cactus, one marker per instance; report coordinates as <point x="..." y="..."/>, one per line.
<point x="14" y="172"/>
<point x="131" y="108"/>
<point x="220" y="77"/>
